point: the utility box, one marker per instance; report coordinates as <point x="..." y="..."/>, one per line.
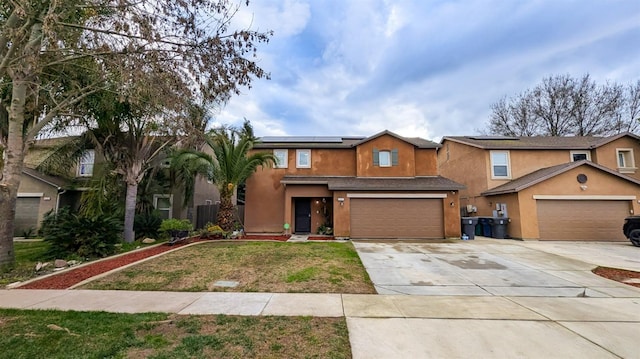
<point x="469" y="226"/>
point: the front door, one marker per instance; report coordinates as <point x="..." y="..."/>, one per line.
<point x="303" y="215"/>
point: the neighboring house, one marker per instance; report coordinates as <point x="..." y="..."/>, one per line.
<point x="40" y="193"/>
<point x="552" y="188"/>
<point x="383" y="186"/>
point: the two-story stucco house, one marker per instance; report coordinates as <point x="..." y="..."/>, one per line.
<point x="383" y="186"/>
<point x="552" y="188"/>
<point x="40" y="193"/>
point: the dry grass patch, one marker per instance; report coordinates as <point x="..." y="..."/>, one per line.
<point x="256" y="266"/>
<point x="69" y="334"/>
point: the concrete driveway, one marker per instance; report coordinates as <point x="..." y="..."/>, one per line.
<point x="486" y="267"/>
<point x="495" y="299"/>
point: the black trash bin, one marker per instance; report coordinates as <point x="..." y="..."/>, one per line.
<point x="486" y="226"/>
<point x="499" y="227"/>
<point x="469" y="226"/>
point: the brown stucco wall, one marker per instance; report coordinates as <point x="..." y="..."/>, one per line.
<point x="341" y="215"/>
<point x="315" y="193"/>
<point x="451" y="207"/>
<point x="265" y="207"/>
<point x="426" y="162"/>
<point x="599" y="183"/>
<point x="406" y="158"/>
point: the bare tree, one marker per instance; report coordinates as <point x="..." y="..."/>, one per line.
<point x="185" y="45"/>
<point x="565" y="106"/>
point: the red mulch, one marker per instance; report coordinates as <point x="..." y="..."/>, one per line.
<point x="321" y="238"/>
<point x="619" y="275"/>
<point x="66" y="279"/>
<point x="266" y="237"/>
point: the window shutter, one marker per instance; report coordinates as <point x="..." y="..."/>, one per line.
<point x="376" y="157"/>
<point x="394" y="157"/>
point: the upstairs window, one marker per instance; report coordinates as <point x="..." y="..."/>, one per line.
<point x="385" y="158"/>
<point x="500" y="168"/>
<point x="85" y="166"/>
<point x="303" y="158"/>
<point x="626" y="162"/>
<point x="580" y="156"/>
<point x="282" y="158"/>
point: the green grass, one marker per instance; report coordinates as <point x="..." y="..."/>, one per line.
<point x="28" y="254"/>
<point x="257" y="267"/>
<point x="57" y="334"/>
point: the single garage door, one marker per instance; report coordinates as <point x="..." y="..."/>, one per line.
<point x="27" y="209"/>
<point x="396" y="218"/>
<point x="582" y="220"/>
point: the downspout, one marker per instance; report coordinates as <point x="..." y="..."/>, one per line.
<point x="60" y="192"/>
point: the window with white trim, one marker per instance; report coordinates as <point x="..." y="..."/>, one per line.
<point x="85" y="166"/>
<point x="303" y="158"/>
<point x="626" y="162"/>
<point x="384" y="158"/>
<point x="282" y="158"/>
<point x="163" y="203"/>
<point x="500" y="168"/>
<point x="580" y="155"/>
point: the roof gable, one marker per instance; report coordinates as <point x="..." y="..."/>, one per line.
<point x="415" y="141"/>
<point x="544" y="174"/>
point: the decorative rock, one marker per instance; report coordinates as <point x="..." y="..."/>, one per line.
<point x="59" y="263"/>
<point x="148" y="240"/>
<point x="38" y="266"/>
<point x="73" y="263"/>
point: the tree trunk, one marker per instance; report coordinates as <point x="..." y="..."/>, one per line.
<point x="226" y="217"/>
<point x="130" y="211"/>
<point x="11" y="171"/>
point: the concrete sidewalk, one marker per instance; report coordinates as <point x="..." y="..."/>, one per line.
<point x="395" y="326"/>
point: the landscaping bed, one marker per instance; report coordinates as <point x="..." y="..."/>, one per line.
<point x="73" y="276"/>
<point x="619" y="275"/>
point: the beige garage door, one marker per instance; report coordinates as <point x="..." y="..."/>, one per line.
<point x="582" y="220"/>
<point x="396" y="218"/>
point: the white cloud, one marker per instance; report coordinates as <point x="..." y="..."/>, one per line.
<point x="427" y="68"/>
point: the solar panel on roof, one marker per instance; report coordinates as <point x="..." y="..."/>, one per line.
<point x="489" y="138"/>
<point x="310" y="139"/>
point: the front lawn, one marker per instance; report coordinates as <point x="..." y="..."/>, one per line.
<point x="28" y="254"/>
<point x="256" y="266"/>
<point x="56" y="334"/>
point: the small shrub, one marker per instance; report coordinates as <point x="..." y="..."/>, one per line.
<point x="147" y="225"/>
<point x="211" y="230"/>
<point x="174" y="224"/>
<point x="70" y="234"/>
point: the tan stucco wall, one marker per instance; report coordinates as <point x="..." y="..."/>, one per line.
<point x="315" y="193"/>
<point x="606" y="155"/>
<point x="465" y="165"/>
<point x="406" y="158"/>
<point x="525" y="223"/>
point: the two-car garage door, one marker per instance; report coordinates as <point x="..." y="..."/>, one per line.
<point x="397" y="218"/>
<point x="595" y="220"/>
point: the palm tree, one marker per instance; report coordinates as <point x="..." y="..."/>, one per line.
<point x="233" y="162"/>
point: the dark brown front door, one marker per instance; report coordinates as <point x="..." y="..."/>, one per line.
<point x="303" y="215"/>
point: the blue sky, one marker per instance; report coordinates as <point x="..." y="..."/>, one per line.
<point x="422" y="68"/>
